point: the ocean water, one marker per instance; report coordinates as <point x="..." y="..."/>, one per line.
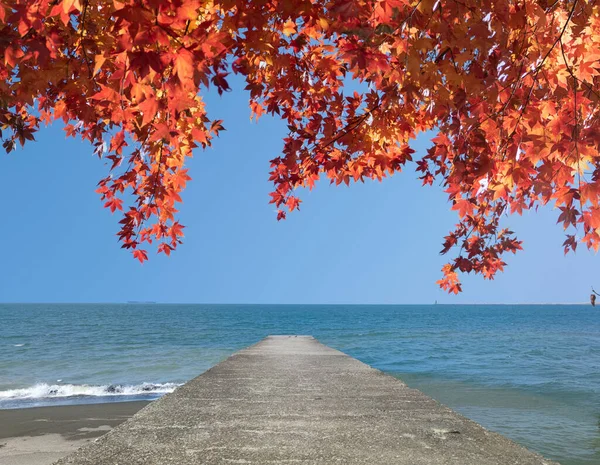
<point x="529" y="372"/>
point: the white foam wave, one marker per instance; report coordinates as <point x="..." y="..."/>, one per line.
<point x="18" y="345"/>
<point x="45" y="391"/>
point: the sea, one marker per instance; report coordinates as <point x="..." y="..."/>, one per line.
<point x="531" y="373"/>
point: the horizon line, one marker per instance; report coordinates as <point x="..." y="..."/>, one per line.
<point x="150" y="302"/>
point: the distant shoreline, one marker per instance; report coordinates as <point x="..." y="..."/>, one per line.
<point x="445" y="304"/>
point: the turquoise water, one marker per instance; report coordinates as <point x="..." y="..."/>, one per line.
<point x="529" y="372"/>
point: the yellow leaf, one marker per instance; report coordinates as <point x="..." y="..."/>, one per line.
<point x="99" y="61"/>
<point x="289" y="27"/>
<point x="68" y="4"/>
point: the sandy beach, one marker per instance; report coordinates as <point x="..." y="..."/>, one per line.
<point x="42" y="435"/>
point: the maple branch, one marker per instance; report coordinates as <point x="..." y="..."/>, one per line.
<point x="589" y="87"/>
<point x="559" y="38"/>
<point x="520" y="76"/>
<point x="535" y="78"/>
<point x="576" y="128"/>
<point x="349" y="128"/>
<point x="153" y="196"/>
<point x="513" y="84"/>
<point x="575" y="78"/>
<point x="402" y="23"/>
<point x="81" y="33"/>
<point x="470" y="8"/>
<point x="538" y="68"/>
<point x="441" y="55"/>
<point x="454" y="62"/>
<point x="548" y="9"/>
<point x="170" y="34"/>
<point x="464" y="241"/>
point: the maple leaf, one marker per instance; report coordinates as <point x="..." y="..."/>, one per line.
<point x="141" y="255"/>
<point x="12" y="55"/>
<point x="149" y="107"/>
<point x="114" y="204"/>
<point x="176" y="231"/>
<point x="289" y="28"/>
<point x="70" y="4"/>
<point x="189" y="10"/>
<point x="165" y="248"/>
<point x="180" y="179"/>
<point x="98" y="62"/>
<point x="293" y="203"/>
<point x="184" y="65"/>
<point x="464" y="207"/>
<point x="106" y="94"/>
<point x="450" y="281"/>
<point x="568" y="216"/>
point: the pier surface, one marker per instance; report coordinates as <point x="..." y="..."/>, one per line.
<point x="293" y="400"/>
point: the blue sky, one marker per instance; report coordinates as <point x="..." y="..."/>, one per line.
<point x="370" y="243"/>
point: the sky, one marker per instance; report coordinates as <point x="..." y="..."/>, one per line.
<point x="372" y="243"/>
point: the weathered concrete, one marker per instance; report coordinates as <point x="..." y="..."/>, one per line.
<point x="292" y="400"/>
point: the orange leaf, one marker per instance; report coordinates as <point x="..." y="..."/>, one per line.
<point x="148" y="107"/>
<point x="184" y="65"/>
<point x="70" y="4"/>
<point x="464" y="207"/>
<point x="289" y="27"/>
<point x="141" y="255"/>
<point x="99" y="61"/>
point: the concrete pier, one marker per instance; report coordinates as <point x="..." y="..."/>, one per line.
<point x="293" y="400"/>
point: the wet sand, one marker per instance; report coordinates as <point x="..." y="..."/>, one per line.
<point x="42" y="435"/>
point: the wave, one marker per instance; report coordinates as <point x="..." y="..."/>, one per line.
<point x="51" y="391"/>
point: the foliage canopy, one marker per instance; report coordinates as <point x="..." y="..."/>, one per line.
<point x="510" y="87"/>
